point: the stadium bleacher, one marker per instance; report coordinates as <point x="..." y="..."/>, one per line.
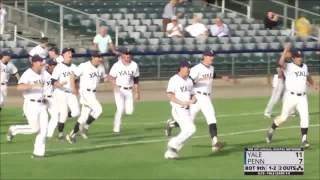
<point x="140" y="29"/>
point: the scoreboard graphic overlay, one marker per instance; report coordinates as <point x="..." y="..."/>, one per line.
<point x="273" y="161"/>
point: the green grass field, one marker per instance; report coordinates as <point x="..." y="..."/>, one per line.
<point x="137" y="153"/>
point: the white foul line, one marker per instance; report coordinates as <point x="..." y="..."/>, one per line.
<point x="148" y="141"/>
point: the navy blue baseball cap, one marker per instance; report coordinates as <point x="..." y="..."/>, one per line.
<point x="184" y="63"/>
<point x="208" y="52"/>
<point x="96" y="53"/>
<point x="296" y="52"/>
<point x="6" y="53"/>
<point x="52" y="62"/>
<point x="67" y="50"/>
<point x="125" y="51"/>
<point x="37" y="58"/>
<point x="54" y="49"/>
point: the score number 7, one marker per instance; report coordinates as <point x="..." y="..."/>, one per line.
<point x="299" y="154"/>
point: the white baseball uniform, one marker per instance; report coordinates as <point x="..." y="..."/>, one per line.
<point x="48" y="90"/>
<point x="278" y="85"/>
<point x="295" y="93"/>
<point x="35" y="110"/>
<point x="124" y="80"/>
<point x="6" y="70"/>
<point x="65" y="98"/>
<point x="40" y="51"/>
<point x="203" y="90"/>
<point x="90" y="77"/>
<point x="59" y="59"/>
<point x="182" y="90"/>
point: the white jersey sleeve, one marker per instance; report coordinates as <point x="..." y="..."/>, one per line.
<point x="12" y="68"/>
<point x="33" y="51"/>
<point x="171" y="86"/>
<point x="79" y="70"/>
<point x="56" y="74"/>
<point x="24" y="79"/>
<point x="137" y="73"/>
<point x="114" y="70"/>
<point x="194" y="73"/>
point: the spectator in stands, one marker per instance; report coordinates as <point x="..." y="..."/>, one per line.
<point x="169" y="11"/>
<point x="3" y="12"/>
<point x="219" y="29"/>
<point x="101" y="42"/>
<point x="303" y="26"/>
<point x="40" y="49"/>
<point x="174" y="29"/>
<point x="270" y="21"/>
<point x="197" y="29"/>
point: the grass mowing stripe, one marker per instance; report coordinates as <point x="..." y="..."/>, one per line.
<point x="160" y="122"/>
<point x="150" y="141"/>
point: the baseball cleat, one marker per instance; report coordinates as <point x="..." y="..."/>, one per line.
<point x="36" y="156"/>
<point x="60" y="138"/>
<point x="171" y="153"/>
<point x="168" y="128"/>
<point x="269" y="135"/>
<point x="83" y="132"/>
<point x="218" y="146"/>
<point x="267" y="115"/>
<point x="305" y="144"/>
<point x="9" y="135"/>
<point x="71" y="139"/>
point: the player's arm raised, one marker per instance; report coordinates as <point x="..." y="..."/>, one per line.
<point x="282" y="62"/>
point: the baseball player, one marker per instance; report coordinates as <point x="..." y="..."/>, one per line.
<point x="54" y="54"/>
<point x="181" y="94"/>
<point x="90" y="73"/>
<point x="40" y="49"/>
<point x="65" y="98"/>
<point x="202" y="75"/>
<point x="277" y="92"/>
<point x="124" y="74"/>
<point x="297" y="75"/>
<point x="50" y="96"/>
<point x="31" y="84"/>
<point x="6" y="68"/>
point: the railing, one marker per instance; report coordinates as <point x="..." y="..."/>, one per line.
<point x="234" y="63"/>
<point x="224" y="9"/>
<point x="296" y="9"/>
<point x="65" y="10"/>
<point x="248" y="7"/>
<point x="49" y="28"/>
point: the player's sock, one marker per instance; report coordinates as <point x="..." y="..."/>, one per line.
<point x="274" y="126"/>
<point x="60" y="128"/>
<point x="75" y="130"/>
<point x="213" y="132"/>
<point x="69" y="114"/>
<point x="90" y="119"/>
<point x="176" y="124"/>
<point x="304" y="132"/>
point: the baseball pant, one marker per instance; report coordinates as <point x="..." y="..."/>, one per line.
<point x="1" y="29"/>
<point x="278" y="89"/>
<point x="184" y="118"/>
<point x="3" y="94"/>
<point x="90" y="106"/>
<point x="294" y="101"/>
<point x="65" y="100"/>
<point x="54" y="113"/>
<point x="204" y="104"/>
<point x="37" y="117"/>
<point x="124" y="103"/>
